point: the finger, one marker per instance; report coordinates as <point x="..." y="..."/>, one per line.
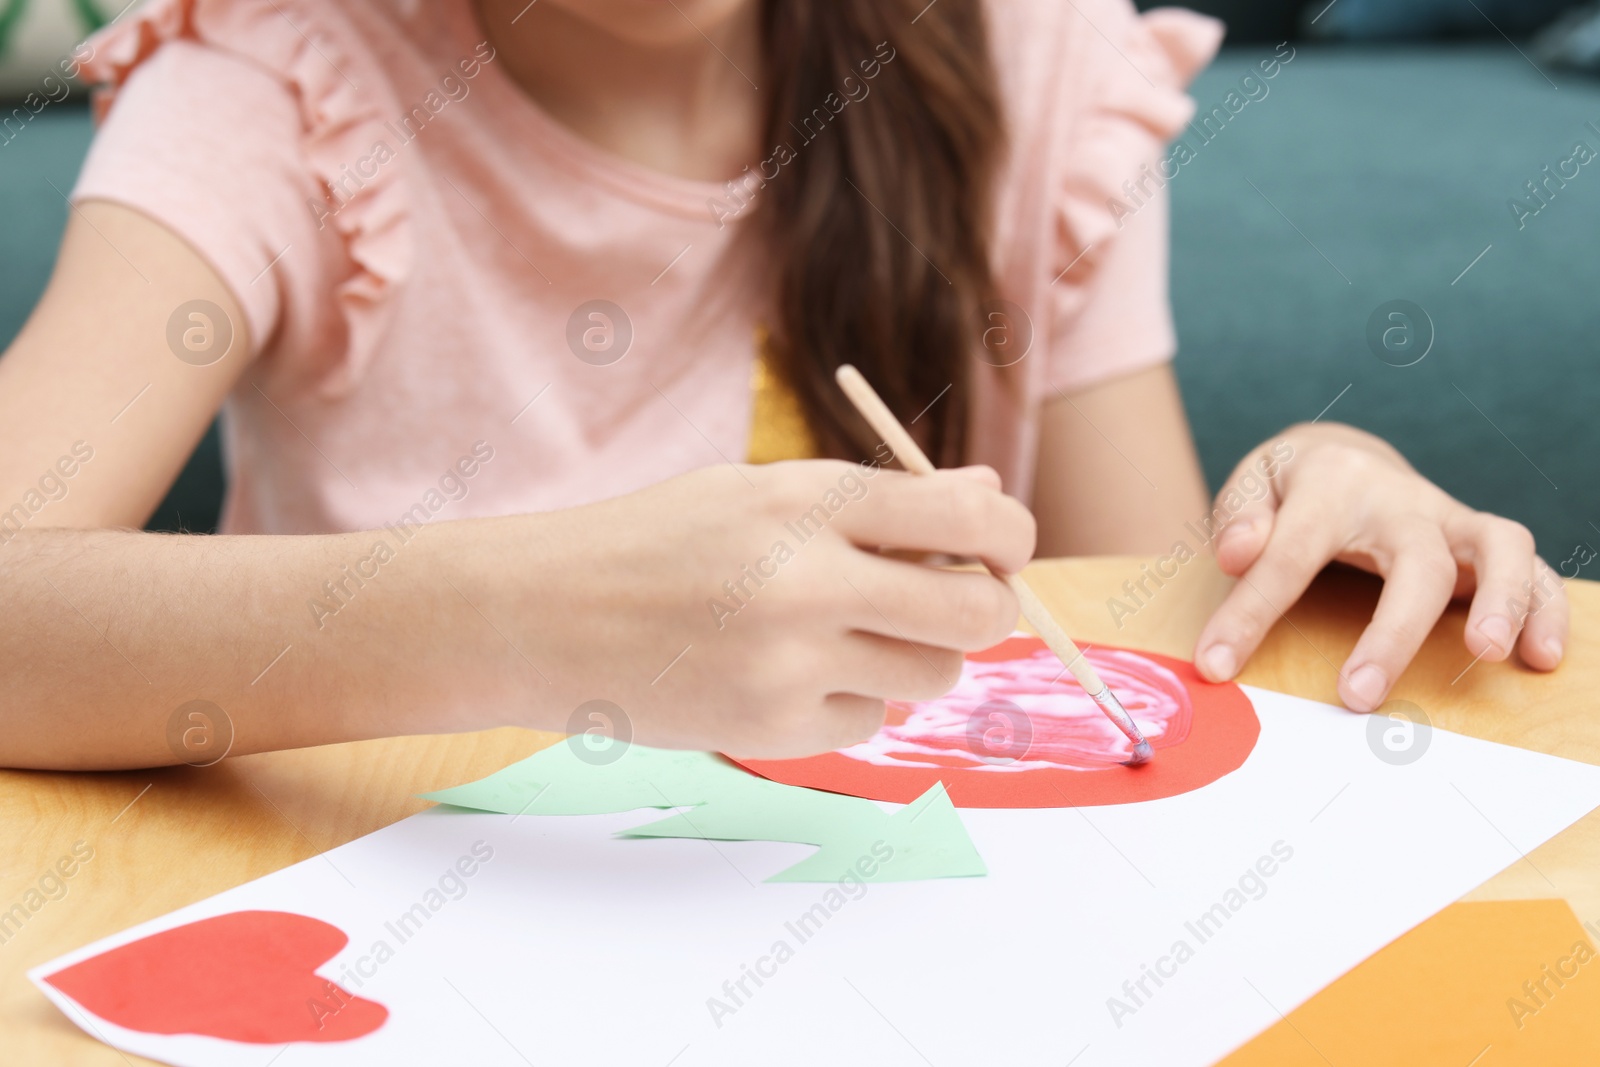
<point x="843" y="719"/>
<point x="946" y="512"/>
<point x="852" y="718"/>
<point x="1501" y="554"/>
<point x="980" y="473"/>
<point x="888" y="668"/>
<point x="1246" y="506"/>
<point x="961" y="610"/>
<point x="1417" y="587"/>
<point x="1301" y="543"/>
<point x="1544" y="634"/>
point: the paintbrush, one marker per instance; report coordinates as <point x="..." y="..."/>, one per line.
<point x="886" y="426"/>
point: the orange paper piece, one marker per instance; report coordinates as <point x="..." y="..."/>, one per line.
<point x="1490" y="983"/>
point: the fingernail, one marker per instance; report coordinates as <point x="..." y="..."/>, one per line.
<point x="1496" y="629"/>
<point x="1553" y="646"/>
<point x="1368" y="685"/>
<point x="1219" y="662"/>
<point x="1239" y="531"/>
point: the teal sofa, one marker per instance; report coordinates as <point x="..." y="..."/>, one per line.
<point x="1365" y="176"/>
<point x="1378" y="174"/>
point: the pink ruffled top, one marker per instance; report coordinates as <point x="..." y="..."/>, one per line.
<point x="417" y="248"/>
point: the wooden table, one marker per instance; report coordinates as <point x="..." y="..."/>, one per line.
<point x="166" y="838"/>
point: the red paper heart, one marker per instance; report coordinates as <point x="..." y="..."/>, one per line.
<point x="244" y="976"/>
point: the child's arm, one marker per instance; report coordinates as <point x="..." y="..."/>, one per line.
<point x="106" y="634"/>
<point x="675" y="603"/>
<point x="1117" y="469"/>
<point x="92" y="379"/>
<point x="517" y="621"/>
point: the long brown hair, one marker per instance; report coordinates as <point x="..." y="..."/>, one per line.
<point x="880" y="222"/>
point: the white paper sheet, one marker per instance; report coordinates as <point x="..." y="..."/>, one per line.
<point x="571" y="946"/>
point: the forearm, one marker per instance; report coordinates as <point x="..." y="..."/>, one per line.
<point x="298" y="640"/>
<point x="1117" y="471"/>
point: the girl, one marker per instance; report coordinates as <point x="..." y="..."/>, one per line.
<point x="500" y="296"/>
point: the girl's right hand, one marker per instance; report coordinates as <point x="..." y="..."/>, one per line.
<point x="748" y="610"/>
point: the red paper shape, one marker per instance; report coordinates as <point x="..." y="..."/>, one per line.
<point x="1019" y="732"/>
<point x="245" y="976"/>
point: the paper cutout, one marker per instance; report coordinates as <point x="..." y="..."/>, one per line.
<point x="1517" y="976"/>
<point x="247" y="976"/>
<point x="564" y="780"/>
<point x="1018" y="731"/>
<point x="925" y="839"/>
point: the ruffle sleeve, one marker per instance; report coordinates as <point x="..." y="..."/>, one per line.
<point x="306" y="47"/>
<point x="1110" y="259"/>
<point x="1139" y="104"/>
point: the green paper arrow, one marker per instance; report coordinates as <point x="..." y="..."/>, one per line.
<point x="925" y="839"/>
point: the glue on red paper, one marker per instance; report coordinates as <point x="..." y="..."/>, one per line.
<point x="1017" y="731"/>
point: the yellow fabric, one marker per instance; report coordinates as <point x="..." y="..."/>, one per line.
<point x="778" y="428"/>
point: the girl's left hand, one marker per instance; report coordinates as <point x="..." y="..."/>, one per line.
<point x="1333" y="492"/>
